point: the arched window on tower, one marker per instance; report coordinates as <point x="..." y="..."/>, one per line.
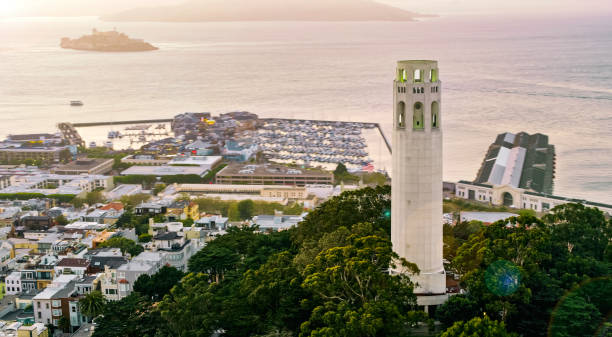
<point x="433" y="75"/>
<point x="402" y="76"/>
<point x="435" y="115"/>
<point x="417" y="117"/>
<point x="418" y="76"/>
<point x="401" y="115"/>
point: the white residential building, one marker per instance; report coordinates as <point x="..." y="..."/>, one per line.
<point x="13" y="283"/>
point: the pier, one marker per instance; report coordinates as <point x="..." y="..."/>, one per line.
<point x="382" y="134"/>
<point x="70" y="134"/>
<point x="83" y="125"/>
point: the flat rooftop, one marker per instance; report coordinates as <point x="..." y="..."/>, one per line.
<point x="164" y="170"/>
<point x="269" y="170"/>
<point x="84" y="164"/>
<point x="207" y="161"/>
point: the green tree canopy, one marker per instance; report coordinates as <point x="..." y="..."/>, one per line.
<point x="131" y="201"/>
<point x="61" y="220"/>
<point x="481" y="327"/>
<point x="132" y="316"/>
<point x="354" y="297"/>
<point x="193" y="307"/>
<point x="158" y="285"/>
<point x="126" y="245"/>
<point x="518" y="270"/>
<point x="245" y="209"/>
<point x="575" y="316"/>
<point x="371" y="205"/>
<point x="94" y="197"/>
<point x="457" y="308"/>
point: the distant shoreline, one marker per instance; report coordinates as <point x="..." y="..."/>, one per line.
<point x="266" y="10"/>
<point x="100" y="18"/>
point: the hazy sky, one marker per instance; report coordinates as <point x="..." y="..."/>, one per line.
<point x="444" y="7"/>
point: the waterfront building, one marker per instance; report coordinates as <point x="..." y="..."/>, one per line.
<point x="519" y="198"/>
<point x="86" y="166"/>
<point x="145" y="159"/>
<point x="50" y="154"/>
<point x="521" y="161"/>
<point x="38" y="138"/>
<point x="269" y="174"/>
<point x="166" y="170"/>
<point x="49" y="184"/>
<point x="239" y="151"/>
<point x="206" y="162"/>
<point x="200" y="148"/>
<point x="416" y="208"/>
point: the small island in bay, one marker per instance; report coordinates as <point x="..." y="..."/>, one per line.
<point x="111" y="41"/>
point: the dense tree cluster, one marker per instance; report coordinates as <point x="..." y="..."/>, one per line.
<point x="241" y="210"/>
<point x="563" y="266"/>
<point x="330" y="276"/>
<point x="329" y="279"/>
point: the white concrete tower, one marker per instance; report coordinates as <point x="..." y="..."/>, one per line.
<point x="416" y="208"/>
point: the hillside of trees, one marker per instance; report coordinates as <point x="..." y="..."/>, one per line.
<point x="329" y="277"/>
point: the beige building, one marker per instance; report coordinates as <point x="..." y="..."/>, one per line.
<point x="45" y="154"/>
<point x="416" y="214"/>
<point x="266" y="192"/>
<point x="294" y="193"/>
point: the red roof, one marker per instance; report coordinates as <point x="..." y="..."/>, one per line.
<point x="124" y="281"/>
<point x="112" y="205"/>
<point x="72" y="262"/>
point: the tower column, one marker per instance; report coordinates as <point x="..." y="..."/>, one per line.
<point x="416" y="209"/>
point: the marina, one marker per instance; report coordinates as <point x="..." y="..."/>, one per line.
<point x="310" y="143"/>
<point x="314" y="142"/>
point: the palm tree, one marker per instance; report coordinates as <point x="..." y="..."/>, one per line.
<point x="64" y="324"/>
<point x="92" y="304"/>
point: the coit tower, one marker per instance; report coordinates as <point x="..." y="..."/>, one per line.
<point x="416" y="208"/>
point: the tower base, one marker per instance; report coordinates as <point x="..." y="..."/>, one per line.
<point x="427" y="300"/>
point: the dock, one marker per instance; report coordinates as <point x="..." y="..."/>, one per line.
<point x="83" y="125"/>
<point x="376" y="125"/>
<point x="382" y="134"/>
<point x="70" y="134"/>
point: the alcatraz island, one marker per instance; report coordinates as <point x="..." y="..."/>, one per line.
<point x="111" y="41"/>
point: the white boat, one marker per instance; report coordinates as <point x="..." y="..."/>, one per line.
<point x="109" y="144"/>
<point x="113" y="134"/>
<point x="92" y="145"/>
